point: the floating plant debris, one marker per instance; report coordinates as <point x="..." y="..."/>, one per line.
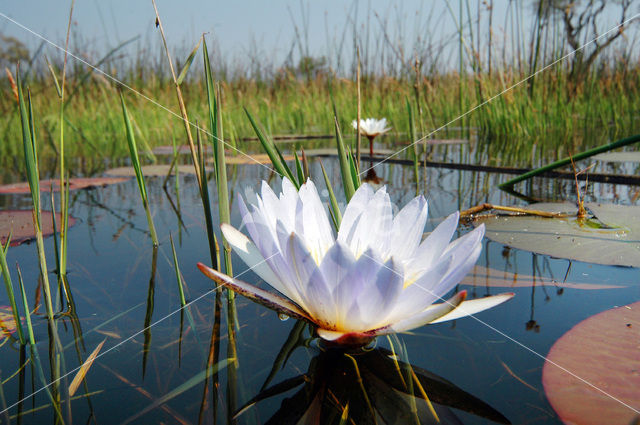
<point x="612" y="237"/>
<point x="602" y="350"/>
<point x="76" y="183"/>
<point x="19" y="223"/>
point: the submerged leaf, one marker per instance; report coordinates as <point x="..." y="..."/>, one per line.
<point x="602" y="351"/>
<point x="612" y="237"/>
<point x="20" y="224"/>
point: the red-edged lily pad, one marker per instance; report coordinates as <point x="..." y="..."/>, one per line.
<point x="488" y="277"/>
<point x="74" y="184"/>
<point x="603" y="350"/>
<point x="7" y="322"/>
<point x="20" y="224"/>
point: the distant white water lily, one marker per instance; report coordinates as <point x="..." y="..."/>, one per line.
<point x="375" y="277"/>
<point x="371" y="127"/>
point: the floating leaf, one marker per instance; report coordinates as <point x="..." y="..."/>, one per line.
<point x="603" y="351"/>
<point x="150" y="170"/>
<point x="7" y="322"/>
<point x="611" y="238"/>
<point x="632" y="156"/>
<point x="487" y="277"/>
<point x="20" y="222"/>
<point x="74" y="184"/>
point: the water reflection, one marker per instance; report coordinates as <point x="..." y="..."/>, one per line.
<point x="366" y="387"/>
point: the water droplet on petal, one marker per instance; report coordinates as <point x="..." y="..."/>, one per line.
<point x="282" y="316"/>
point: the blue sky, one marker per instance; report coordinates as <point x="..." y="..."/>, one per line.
<point x="242" y="28"/>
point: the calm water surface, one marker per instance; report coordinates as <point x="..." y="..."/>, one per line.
<point x="152" y="367"/>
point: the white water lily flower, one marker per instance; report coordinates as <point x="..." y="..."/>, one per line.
<point x="371" y="127"/>
<point x="375" y="277"/>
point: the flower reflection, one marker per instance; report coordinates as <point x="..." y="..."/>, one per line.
<point x="375" y="277"/>
<point x="366" y="387"/>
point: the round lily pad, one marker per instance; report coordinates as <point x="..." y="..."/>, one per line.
<point x="487" y="277"/>
<point x="150" y="170"/>
<point x="604" y="351"/>
<point x="630" y="156"/>
<point x="74" y="184"/>
<point x="613" y="238"/>
<point x="19" y="223"/>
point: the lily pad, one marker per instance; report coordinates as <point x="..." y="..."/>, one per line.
<point x="612" y="239"/>
<point x="7" y="322"/>
<point x="252" y="158"/>
<point x="487" y="277"/>
<point x="631" y="156"/>
<point x="150" y="170"/>
<point x="604" y="351"/>
<point x="74" y="184"/>
<point x="20" y="224"/>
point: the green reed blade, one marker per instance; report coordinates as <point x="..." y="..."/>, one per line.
<point x="345" y="170"/>
<point x="414" y="150"/>
<point x="336" y="215"/>
<point x="586" y="154"/>
<point x="4" y="270"/>
<point x="299" y="170"/>
<point x="271" y="150"/>
<point x="187" y="64"/>
<point x="53" y="75"/>
<point x="135" y="160"/>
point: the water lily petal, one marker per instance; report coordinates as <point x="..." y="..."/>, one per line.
<point x="356" y="339"/>
<point x="418" y="295"/>
<point x="315" y="292"/>
<point x="356" y="206"/>
<point x="254" y="293"/>
<point x="430" y="314"/>
<point x="379" y="293"/>
<point x="374" y="226"/>
<point x="408" y="226"/>
<point x="252" y="257"/>
<point x="317" y="231"/>
<point x="432" y="248"/>
<point x="336" y="265"/>
<point x="470" y="307"/>
<point x="464" y="253"/>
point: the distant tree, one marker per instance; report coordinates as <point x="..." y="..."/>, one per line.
<point x="582" y="23"/>
<point x="12" y="50"/>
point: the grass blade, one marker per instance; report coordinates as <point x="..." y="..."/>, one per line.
<point x="135" y="160"/>
<point x="187" y="64"/>
<point x="347" y="178"/>
<point x="4" y="270"/>
<point x="75" y="383"/>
